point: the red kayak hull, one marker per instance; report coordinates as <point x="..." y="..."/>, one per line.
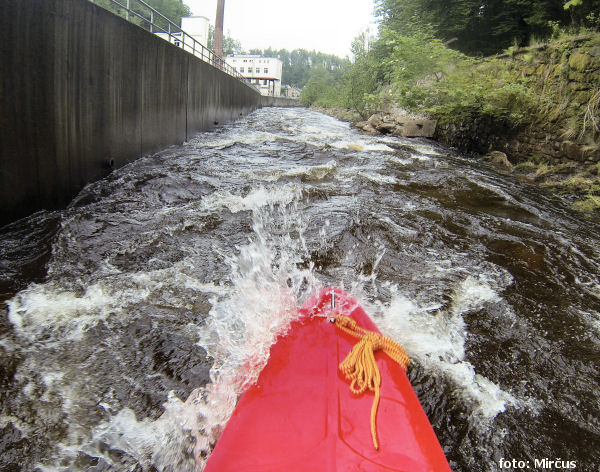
<point x="301" y="415"/>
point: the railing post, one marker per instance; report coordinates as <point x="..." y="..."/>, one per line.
<point x="151" y="21"/>
<point x="127" y="11"/>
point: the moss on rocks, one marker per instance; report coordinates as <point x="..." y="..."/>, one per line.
<point x="580" y="61"/>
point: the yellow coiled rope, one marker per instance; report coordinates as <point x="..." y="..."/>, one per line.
<point x="360" y="367"/>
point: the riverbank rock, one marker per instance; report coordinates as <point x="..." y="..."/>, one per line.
<point x="398" y="125"/>
<point x="500" y="159"/>
<point x="365" y="126"/>
<point x="419" y="128"/>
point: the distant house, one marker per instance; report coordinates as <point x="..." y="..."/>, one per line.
<point x="194" y="26"/>
<point x="262" y="72"/>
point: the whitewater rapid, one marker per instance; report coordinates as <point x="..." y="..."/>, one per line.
<point x="135" y="318"/>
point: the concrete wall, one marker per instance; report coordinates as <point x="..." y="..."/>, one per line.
<point x="279" y="102"/>
<point x="81" y="88"/>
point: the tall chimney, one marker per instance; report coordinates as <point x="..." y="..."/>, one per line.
<point x="218" y="37"/>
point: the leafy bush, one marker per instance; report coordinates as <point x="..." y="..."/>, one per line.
<point x="321" y="89"/>
<point x="469" y="91"/>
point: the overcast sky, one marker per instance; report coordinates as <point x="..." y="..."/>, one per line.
<point x="324" y="25"/>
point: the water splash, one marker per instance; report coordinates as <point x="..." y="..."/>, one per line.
<point x="436" y="338"/>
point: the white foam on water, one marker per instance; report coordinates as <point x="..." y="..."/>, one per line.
<point x="258" y="197"/>
<point x="227" y="139"/>
<point x="255" y="305"/>
<point x="56" y="313"/>
<point x="163" y="444"/>
<point x="420" y="157"/>
<point x="378" y="178"/>
<point x="24" y="428"/>
<point x="405" y="233"/>
<point x="307" y="173"/>
<point x="48" y="307"/>
<point x="423" y="148"/>
<point x="249" y="310"/>
<point x="399" y="160"/>
<point x="436" y="338"/>
<point x="361" y="146"/>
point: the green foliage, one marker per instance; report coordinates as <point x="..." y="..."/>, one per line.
<point x="589" y="204"/>
<point x="352" y="85"/>
<point x="572" y="4"/>
<point x="484" y="28"/>
<point x="320" y="89"/>
<point x="359" y="84"/>
<point x="418" y="56"/>
<point x="423" y="74"/>
<point x="470" y="92"/>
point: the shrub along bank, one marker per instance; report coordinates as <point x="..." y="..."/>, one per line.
<point x="540" y="105"/>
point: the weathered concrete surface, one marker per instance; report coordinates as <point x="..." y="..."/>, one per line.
<point x="279" y="102"/>
<point x="82" y="88"/>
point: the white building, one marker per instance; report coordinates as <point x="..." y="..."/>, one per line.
<point x="263" y="72"/>
<point x="194" y="26"/>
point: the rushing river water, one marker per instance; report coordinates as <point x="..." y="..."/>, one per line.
<point x="176" y="272"/>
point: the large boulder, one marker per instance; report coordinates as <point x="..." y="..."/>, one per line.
<point x="500" y="159"/>
<point x="400" y="124"/>
<point x="375" y="120"/>
<point x="388" y="127"/>
<point x="418" y="128"/>
<point x="365" y="126"/>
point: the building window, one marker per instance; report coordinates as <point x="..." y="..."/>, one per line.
<point x="242" y="70"/>
<point x="266" y="70"/>
<point x="249" y="70"/>
<point x="265" y="82"/>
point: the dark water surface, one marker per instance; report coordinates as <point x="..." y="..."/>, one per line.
<point x="177" y="271"/>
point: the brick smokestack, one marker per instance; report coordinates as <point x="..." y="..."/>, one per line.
<point x="218" y="37"/>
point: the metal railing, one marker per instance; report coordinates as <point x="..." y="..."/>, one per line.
<point x="175" y="34"/>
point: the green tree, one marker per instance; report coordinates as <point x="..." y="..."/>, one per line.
<point x="586" y="12"/>
<point x="320" y="88"/>
<point x="479" y="27"/>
